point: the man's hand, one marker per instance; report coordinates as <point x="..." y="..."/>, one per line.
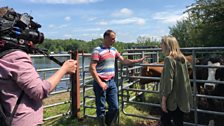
<point x="103" y="85"/>
<point x="140" y="60"/>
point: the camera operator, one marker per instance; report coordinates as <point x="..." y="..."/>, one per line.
<point x="17" y="74"/>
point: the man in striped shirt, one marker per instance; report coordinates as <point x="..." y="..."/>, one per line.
<point x="103" y="71"/>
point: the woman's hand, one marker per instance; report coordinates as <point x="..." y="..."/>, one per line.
<point x="163" y="105"/>
<point x="70" y="66"/>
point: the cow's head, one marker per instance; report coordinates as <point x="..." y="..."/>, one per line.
<point x="214" y="74"/>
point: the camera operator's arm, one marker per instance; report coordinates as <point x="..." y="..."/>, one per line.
<point x="68" y="67"/>
<point x="17" y="66"/>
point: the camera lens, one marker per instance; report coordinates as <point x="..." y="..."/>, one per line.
<point x="41" y="38"/>
<point x="35" y="36"/>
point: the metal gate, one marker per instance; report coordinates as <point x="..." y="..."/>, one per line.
<point x="129" y="92"/>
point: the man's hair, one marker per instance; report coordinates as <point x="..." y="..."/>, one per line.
<point x="107" y="33"/>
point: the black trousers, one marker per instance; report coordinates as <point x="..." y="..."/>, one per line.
<point x="176" y="115"/>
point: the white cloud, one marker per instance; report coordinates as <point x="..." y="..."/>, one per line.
<point x="169" y="17"/>
<point x="62" y="26"/>
<point x="94" y="29"/>
<point x="90" y="34"/>
<point x="88" y="30"/>
<point x="127" y="35"/>
<point x="65" y="1"/>
<point x="134" y="20"/>
<point x="169" y="6"/>
<point x="67" y="36"/>
<point x="67" y="18"/>
<point x="102" y="23"/>
<point x="52" y="26"/>
<point x="124" y="12"/>
<point x="91" y="18"/>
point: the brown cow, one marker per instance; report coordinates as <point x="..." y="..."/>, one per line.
<point x="155" y="71"/>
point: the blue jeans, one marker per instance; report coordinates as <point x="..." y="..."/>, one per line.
<point x="110" y="96"/>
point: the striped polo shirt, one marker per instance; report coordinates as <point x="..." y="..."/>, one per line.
<point x="105" y="58"/>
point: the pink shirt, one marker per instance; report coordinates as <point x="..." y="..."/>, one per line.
<point x="16" y="74"/>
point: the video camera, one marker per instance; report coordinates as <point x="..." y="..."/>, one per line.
<point x="17" y="30"/>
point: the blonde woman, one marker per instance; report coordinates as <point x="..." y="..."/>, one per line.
<point x="175" y="90"/>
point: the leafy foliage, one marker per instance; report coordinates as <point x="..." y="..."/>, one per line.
<point x="59" y="45"/>
<point x="204" y="25"/>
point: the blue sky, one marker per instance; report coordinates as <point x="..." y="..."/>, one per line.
<point x="88" y="19"/>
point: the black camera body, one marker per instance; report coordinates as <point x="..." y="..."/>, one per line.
<point x="18" y="29"/>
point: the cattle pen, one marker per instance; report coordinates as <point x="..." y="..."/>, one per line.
<point x="146" y="96"/>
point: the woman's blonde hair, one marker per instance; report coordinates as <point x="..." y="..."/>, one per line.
<point x="172" y="48"/>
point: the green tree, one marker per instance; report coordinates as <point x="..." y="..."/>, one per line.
<point x="184" y="32"/>
<point x="143" y="39"/>
<point x="204" y="25"/>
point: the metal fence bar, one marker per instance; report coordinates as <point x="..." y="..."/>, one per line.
<point x="140" y="90"/>
<point x="57" y="104"/>
<point x="59" y="92"/>
<point x="210" y="112"/>
<point x="56" y="116"/>
<point x="210" y="96"/>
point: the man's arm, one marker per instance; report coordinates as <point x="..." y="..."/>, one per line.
<point x="129" y="61"/>
<point x="94" y="74"/>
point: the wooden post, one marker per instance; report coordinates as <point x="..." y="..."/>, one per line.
<point x="75" y="89"/>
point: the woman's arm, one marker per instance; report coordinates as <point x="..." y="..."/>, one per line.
<point x="163" y="104"/>
<point x="167" y="77"/>
<point x="68" y="67"/>
<point x="22" y="71"/>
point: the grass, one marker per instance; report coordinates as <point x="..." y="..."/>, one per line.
<point x="124" y="120"/>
